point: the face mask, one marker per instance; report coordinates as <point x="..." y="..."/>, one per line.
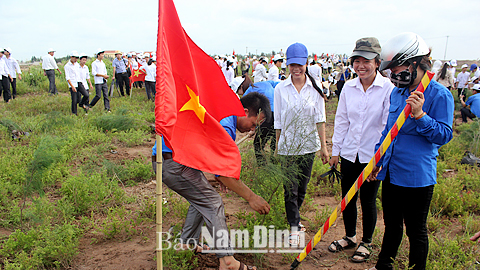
<point x="402" y="79"/>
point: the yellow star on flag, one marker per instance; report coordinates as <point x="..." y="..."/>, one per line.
<point x="136" y="72"/>
<point x="194" y="105"/>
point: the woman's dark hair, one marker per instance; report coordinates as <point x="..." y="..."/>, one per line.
<point x="150" y="61"/>
<point x="443" y="71"/>
<point x="247" y="82"/>
<point x="314" y="84"/>
<point x="422" y="61"/>
<point x="229" y="64"/>
<point x="257" y="103"/>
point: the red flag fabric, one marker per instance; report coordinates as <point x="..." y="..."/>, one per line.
<point x="192" y="96"/>
<point x="138" y="75"/>
<point x="233" y="52"/>
<point x="315" y="57"/>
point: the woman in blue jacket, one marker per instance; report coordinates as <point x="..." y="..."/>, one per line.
<point x="409" y="165"/>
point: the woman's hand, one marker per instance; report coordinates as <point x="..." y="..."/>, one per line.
<point x="416" y="100"/>
<point x="333" y="161"/>
<point x="324" y="154"/>
<point x="373" y="175"/>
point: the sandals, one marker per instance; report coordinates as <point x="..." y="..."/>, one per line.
<point x="301" y="227"/>
<point x="242" y="266"/>
<point x="363" y="255"/>
<point x="294" y="239"/>
<point x="203" y="247"/>
<point x="339" y="247"/>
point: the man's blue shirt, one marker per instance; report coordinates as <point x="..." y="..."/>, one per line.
<point x="474" y="102"/>
<point x="230" y="125"/>
<point x="119" y="65"/>
<point x="266" y="88"/>
<point x="165" y="149"/>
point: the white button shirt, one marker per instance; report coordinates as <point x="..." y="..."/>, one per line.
<point x="260" y="73"/>
<point x="134" y="64"/>
<point x="98" y="67"/>
<point x="296" y="115"/>
<point x="462" y="79"/>
<point x="316" y="72"/>
<point x="13" y="67"/>
<point x="4" y="71"/>
<point x="84" y="75"/>
<point x="151" y="72"/>
<point x="228" y="74"/>
<point x="360" y="119"/>
<point x="273" y="74"/>
<point x="49" y="62"/>
<point x="72" y="73"/>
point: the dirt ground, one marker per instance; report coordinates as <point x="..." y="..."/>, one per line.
<point x="138" y="252"/>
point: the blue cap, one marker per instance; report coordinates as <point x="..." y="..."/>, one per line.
<point x="297" y="53"/>
<point x="473" y="66"/>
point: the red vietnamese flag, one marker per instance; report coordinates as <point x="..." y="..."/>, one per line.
<point x="233" y="52"/>
<point x="138" y="75"/>
<point x="192" y="96"/>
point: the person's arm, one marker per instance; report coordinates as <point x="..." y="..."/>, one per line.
<point x="18" y="70"/>
<point x="256" y="202"/>
<point x="436" y="126"/>
<point x="54" y="64"/>
<point x="8" y="71"/>
<point x="264" y="72"/>
<point x="323" y="142"/>
<point x="340" y="129"/>
<point x="87" y="76"/>
<point x="450" y="79"/>
<point x="476" y="237"/>
<point x="67" y="77"/>
<point x="463" y="102"/>
<point x="114" y="68"/>
<point x="277" y="115"/>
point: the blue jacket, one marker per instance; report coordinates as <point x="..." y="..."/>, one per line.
<point x="474" y="102"/>
<point x="165" y="149"/>
<point x="411" y="159"/>
<point x="266" y="88"/>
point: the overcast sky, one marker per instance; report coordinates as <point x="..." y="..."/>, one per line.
<point x="30" y="27"/>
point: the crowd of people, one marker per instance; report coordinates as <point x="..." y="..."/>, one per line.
<point x="9" y="69"/>
<point x="373" y="85"/>
<point x="77" y="75"/>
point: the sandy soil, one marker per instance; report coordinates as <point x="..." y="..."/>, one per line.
<point x="138" y="252"/>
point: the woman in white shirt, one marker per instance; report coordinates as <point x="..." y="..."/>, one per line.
<point x="361" y="116"/>
<point x="151" y="72"/>
<point x="299" y="123"/>
<point x="228" y="72"/>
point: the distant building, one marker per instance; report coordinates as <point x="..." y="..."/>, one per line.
<point x="110" y="54"/>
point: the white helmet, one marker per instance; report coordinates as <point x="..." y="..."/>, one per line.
<point x="401" y="48"/>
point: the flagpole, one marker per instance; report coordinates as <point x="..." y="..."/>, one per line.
<point x="159" y="202"/>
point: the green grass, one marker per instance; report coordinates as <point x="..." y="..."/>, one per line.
<point x="56" y="179"/>
<point x="62" y="181"/>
